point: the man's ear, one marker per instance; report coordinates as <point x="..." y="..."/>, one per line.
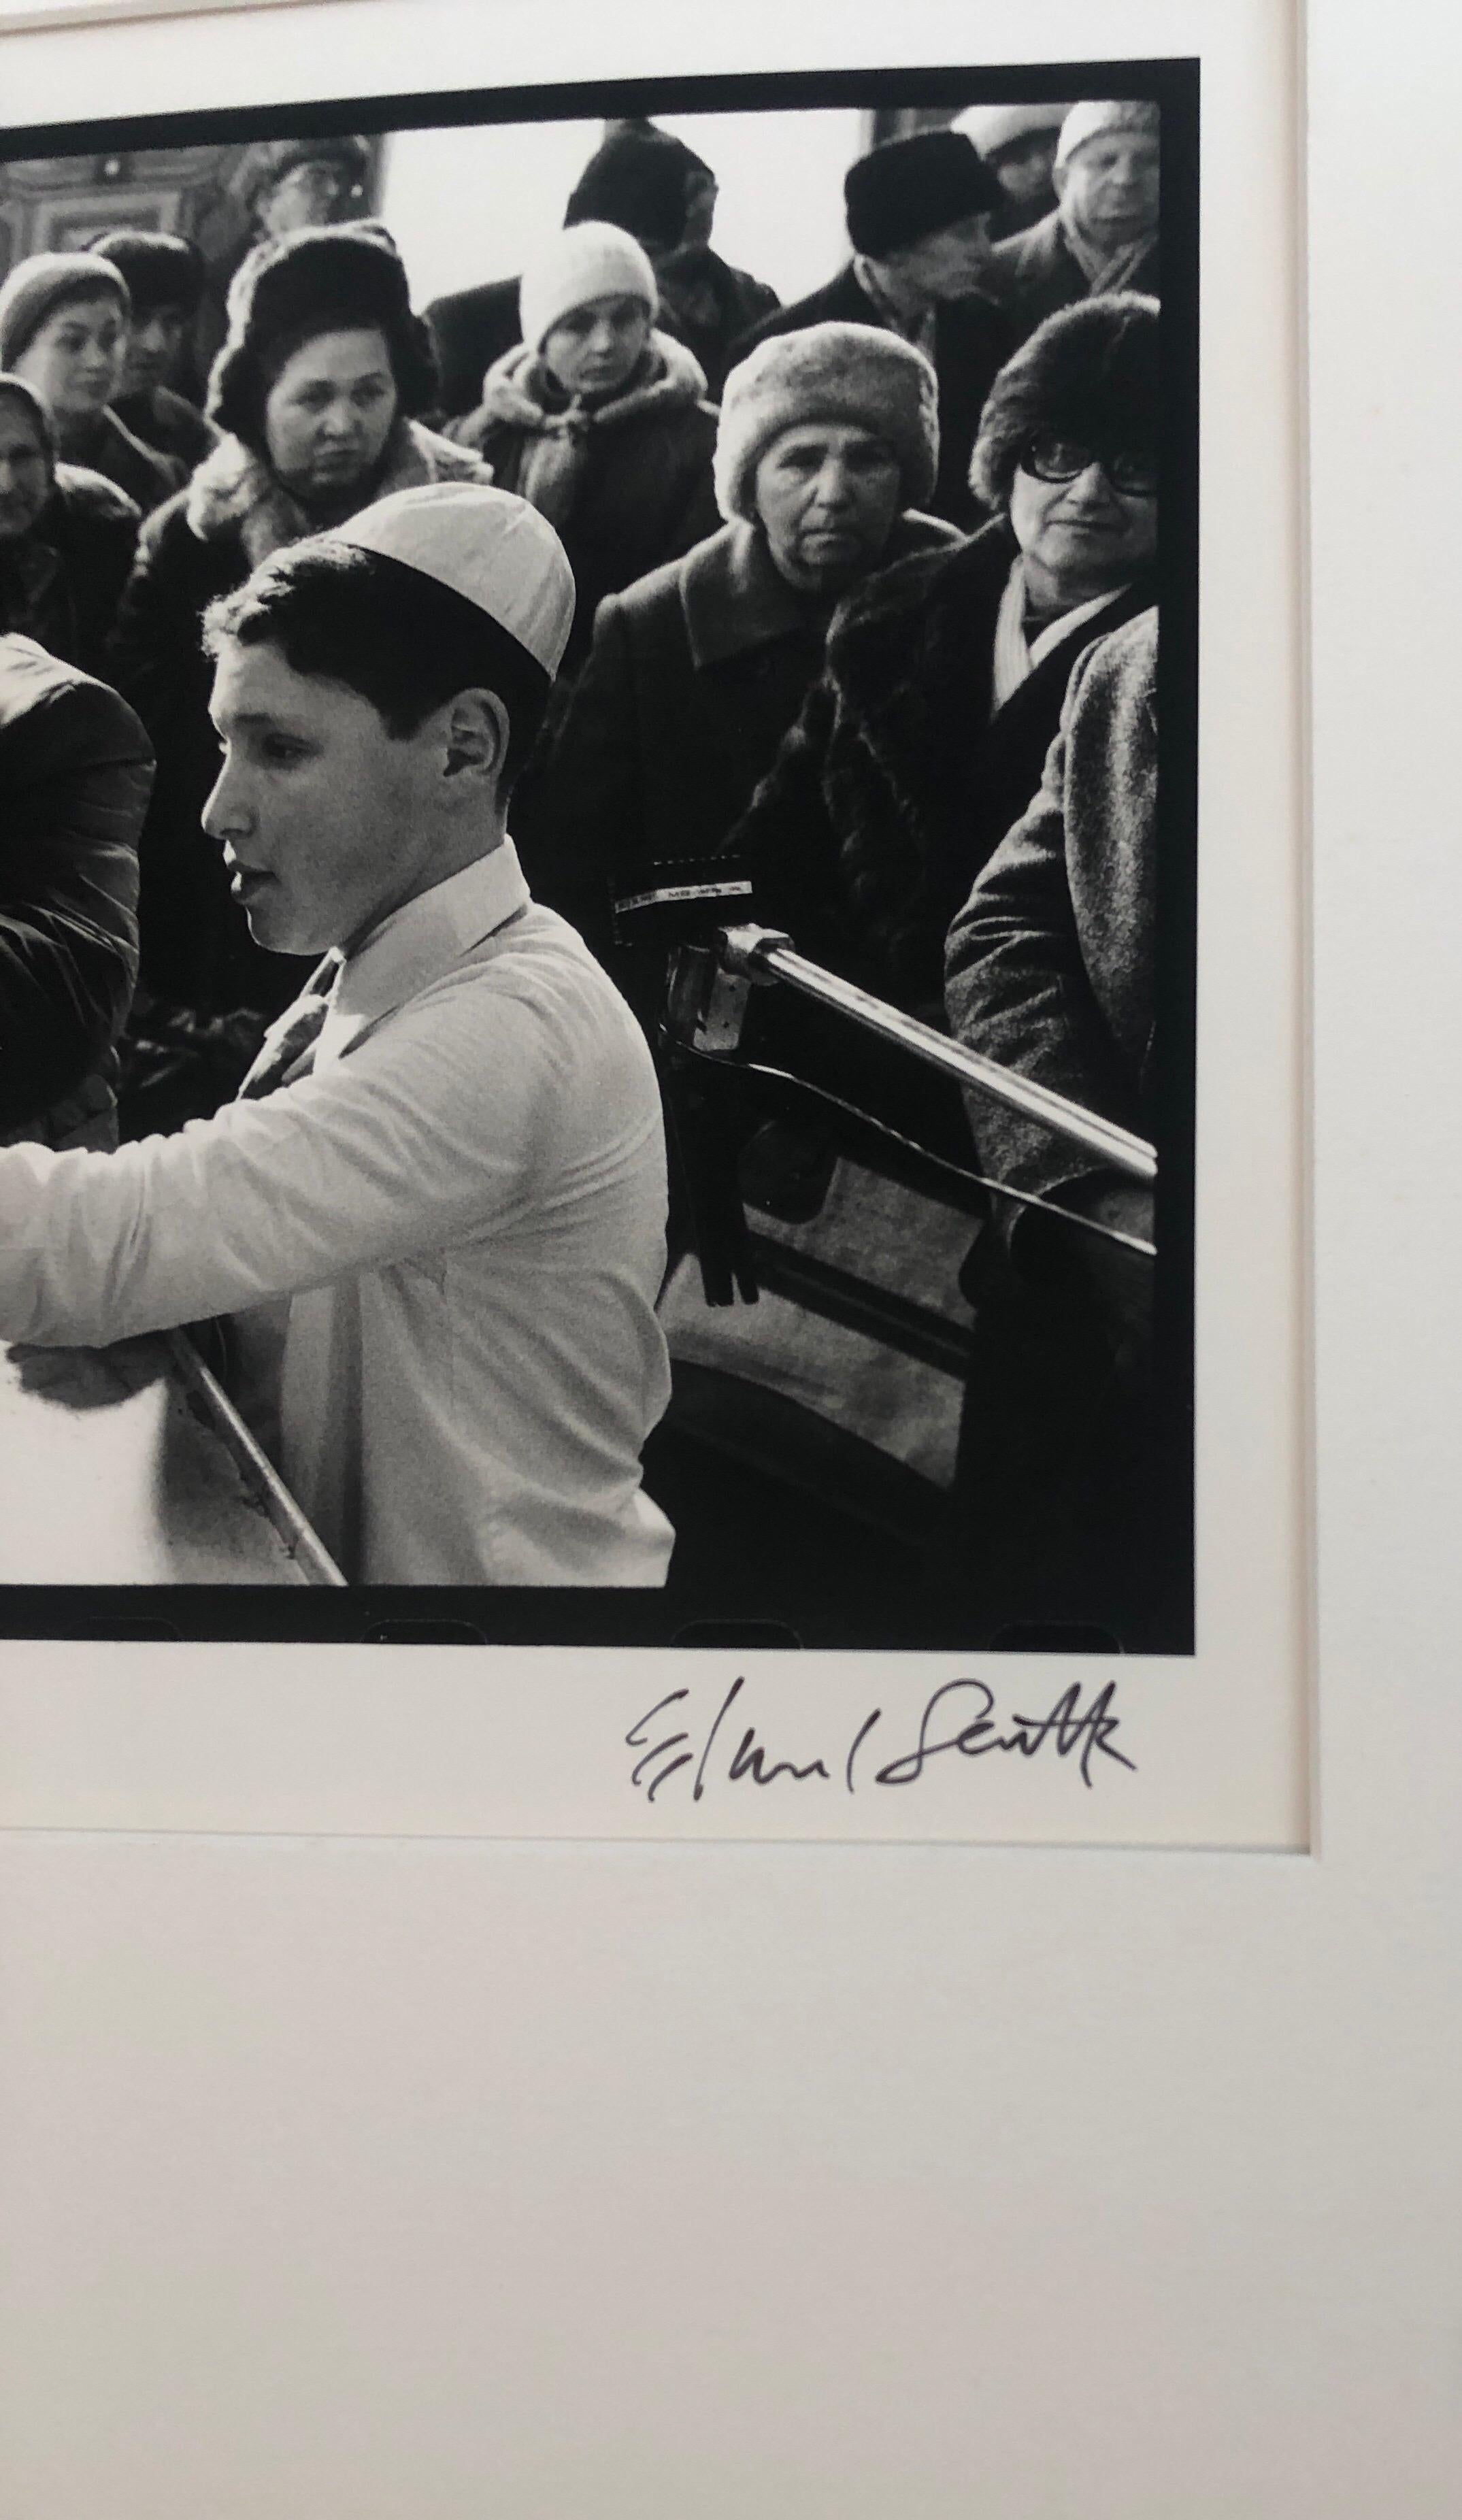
<point x="475" y="737"/>
<point x="1058" y="178"/>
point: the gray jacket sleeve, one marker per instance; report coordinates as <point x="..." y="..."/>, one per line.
<point x="1018" y="988"/>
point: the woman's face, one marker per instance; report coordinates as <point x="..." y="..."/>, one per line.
<point x="827" y="494"/>
<point x="330" y="412"/>
<point x="74" y="361"/>
<point x="596" y="349"/>
<point x="25" y="471"/>
<point x="1079" y="533"/>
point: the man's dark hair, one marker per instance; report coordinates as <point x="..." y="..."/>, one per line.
<point x="158" y="270"/>
<point x="404" y="641"/>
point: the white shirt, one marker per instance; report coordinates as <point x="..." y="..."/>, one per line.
<point x="1015" y="659"/>
<point x="444" y="1244"/>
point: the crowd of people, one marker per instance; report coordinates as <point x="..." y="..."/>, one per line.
<point x="857" y="593"/>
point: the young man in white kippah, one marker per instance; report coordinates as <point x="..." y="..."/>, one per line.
<point x="437" y="1213"/>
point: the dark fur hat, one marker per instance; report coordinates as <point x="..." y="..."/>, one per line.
<point x="637" y="181"/>
<point x="911" y="188"/>
<point x="1089" y="373"/>
<point x="320" y="280"/>
<point x="158" y="270"/>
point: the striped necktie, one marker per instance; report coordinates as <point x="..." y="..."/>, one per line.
<point x="287" y="1051"/>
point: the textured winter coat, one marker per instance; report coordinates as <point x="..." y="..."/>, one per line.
<point x="1050" y="960"/>
<point x="899" y="780"/>
<point x="973" y="337"/>
<point x="196" y="949"/>
<point x="642" y="492"/>
<point x="696" y="673"/>
<point x="62" y="581"/>
<point x="1036" y="273"/>
<point x="75" y="768"/>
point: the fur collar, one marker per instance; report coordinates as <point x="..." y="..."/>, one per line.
<point x="512" y="393"/>
<point x="234" y="492"/>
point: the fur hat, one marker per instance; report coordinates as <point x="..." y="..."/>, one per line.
<point x="852" y="372"/>
<point x="41" y="284"/>
<point x="319" y="280"/>
<point x="589" y="260"/>
<point x="907" y="189"/>
<point x="1089" y="373"/>
<point x="637" y="180"/>
<point x="1089" y="120"/>
<point x="158" y="270"/>
<point x="994" y="128"/>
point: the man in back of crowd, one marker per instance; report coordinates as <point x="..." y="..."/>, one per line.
<point x="1018" y="143"/>
<point x="661" y="194"/>
<point x="283" y="185"/>
<point x="75" y="768"/>
<point x="918" y="222"/>
<point x="436" y="1211"/>
<point x="164" y="277"/>
<point x="1103" y="233"/>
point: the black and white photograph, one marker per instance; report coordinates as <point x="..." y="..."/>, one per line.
<point x="597" y="865"/>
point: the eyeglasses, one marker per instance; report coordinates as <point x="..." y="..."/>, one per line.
<point x="1061" y="459"/>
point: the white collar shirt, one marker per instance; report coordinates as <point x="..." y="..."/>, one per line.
<point x="1015" y="656"/>
<point x="442" y="1243"/>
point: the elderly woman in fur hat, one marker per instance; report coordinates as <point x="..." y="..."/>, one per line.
<point x="315" y="392"/>
<point x="598" y="420"/>
<point x="826" y="449"/>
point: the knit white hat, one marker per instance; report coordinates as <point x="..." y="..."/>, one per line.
<point x="853" y="372"/>
<point x="1096" y="114"/>
<point x="999" y="127"/>
<point x="486" y="544"/>
<point x="584" y="262"/>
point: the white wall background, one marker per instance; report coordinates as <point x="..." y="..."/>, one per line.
<point x="473" y="205"/>
<point x="390" y="2181"/>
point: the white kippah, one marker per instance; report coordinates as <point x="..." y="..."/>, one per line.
<point x="1111" y="114"/>
<point x="486" y="544"/>
<point x="996" y="126"/>
<point x="583" y="262"/>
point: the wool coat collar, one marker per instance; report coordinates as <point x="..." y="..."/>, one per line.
<point x="233" y="491"/>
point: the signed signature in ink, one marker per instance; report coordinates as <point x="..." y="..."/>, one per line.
<point x="959" y="1718"/>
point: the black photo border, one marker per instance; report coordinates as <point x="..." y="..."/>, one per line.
<point x="583" y="1617"/>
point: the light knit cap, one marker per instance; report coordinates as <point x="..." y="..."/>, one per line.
<point x="999" y="127"/>
<point x="484" y="544"/>
<point x="44" y="282"/>
<point x="1089" y="120"/>
<point x="584" y="262"/>
<point x="852" y="372"/>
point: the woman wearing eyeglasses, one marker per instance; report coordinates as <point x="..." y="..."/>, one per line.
<point x="925" y="736"/>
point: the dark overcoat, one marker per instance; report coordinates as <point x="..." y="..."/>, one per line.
<point x="695" y="675"/>
<point x="1036" y="273"/>
<point x="75" y="768"/>
<point x="62" y="581"/>
<point x="973" y="337"/>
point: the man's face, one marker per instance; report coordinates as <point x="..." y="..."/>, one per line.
<point x="312" y="196"/>
<point x="319" y="809"/>
<point x="1110" y="187"/>
<point x="25" y="471"/>
<point x="1023" y="167"/>
<point x="152" y="345"/>
<point x="950" y="262"/>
